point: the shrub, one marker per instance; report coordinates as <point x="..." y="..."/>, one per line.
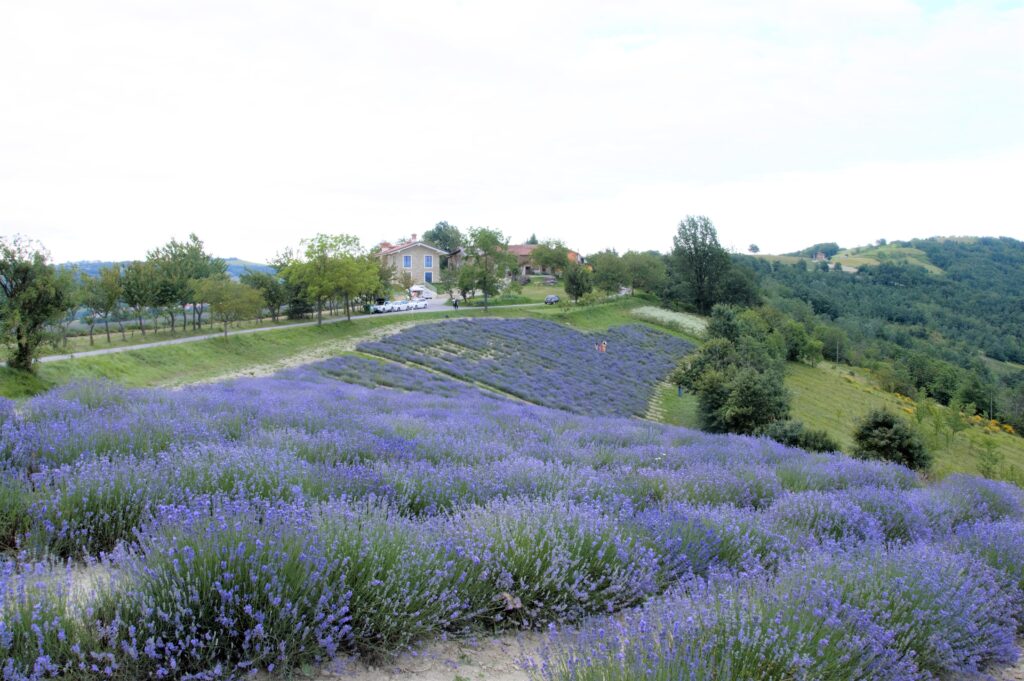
<point x="403" y="579"/>
<point x="41" y="635"/>
<point x="946" y="609"/>
<point x="810" y="517"/>
<point x="227" y="588"/>
<point x="794" y="434"/>
<point x="554" y="562"/>
<point x="750" y="629"/>
<point x="741" y="400"/>
<point x="883" y="435"/>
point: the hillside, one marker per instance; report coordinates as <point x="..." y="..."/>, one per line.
<point x="236" y="266"/>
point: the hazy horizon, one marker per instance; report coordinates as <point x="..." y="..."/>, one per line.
<point x="256" y="124"/>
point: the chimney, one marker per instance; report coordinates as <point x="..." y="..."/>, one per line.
<point x="414" y="237"/>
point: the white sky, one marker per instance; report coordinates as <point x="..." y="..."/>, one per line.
<point x="255" y="124"/>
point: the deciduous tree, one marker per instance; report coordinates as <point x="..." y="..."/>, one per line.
<point x="552" y="255"/>
<point x="609" y="273"/>
<point x="488" y="259"/>
<point x="577" y="281"/>
<point x="139" y="289"/>
<point x="271" y="288"/>
<point x="32" y="296"/>
<point x="699" y="262"/>
<point x="230" y="301"/>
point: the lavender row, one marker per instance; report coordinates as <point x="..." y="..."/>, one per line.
<point x="543" y="362"/>
<point x="221" y="586"/>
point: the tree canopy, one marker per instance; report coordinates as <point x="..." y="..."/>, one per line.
<point x="32" y="296"/>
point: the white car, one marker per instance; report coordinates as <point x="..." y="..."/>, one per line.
<point x="399" y="305"/>
<point x="381" y="308"/>
<point x="418" y="304"/>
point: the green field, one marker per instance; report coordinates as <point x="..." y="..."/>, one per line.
<point x="875" y="255"/>
<point x="834" y="399"/>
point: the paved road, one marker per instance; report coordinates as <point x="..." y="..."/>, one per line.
<point x="194" y="339"/>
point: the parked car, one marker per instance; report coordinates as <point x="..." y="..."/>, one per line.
<point x="381" y="308"/>
<point x="551" y="300"/>
<point x="399" y="305"/>
<point x="418" y="304"/>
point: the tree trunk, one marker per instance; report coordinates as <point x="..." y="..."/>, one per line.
<point x="106" y="325"/>
<point x="91" y="341"/>
<point x="120" y="327"/>
<point x="142" y="327"/>
<point x="184" y="318"/>
<point x="22" y="358"/>
<point x="319" y="313"/>
<point x="225" y="328"/>
<point x="348" y="309"/>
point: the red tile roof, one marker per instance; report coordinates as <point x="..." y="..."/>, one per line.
<point x="522" y="249"/>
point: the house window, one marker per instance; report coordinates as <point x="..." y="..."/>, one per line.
<point x="428" y="276"/>
<point x="406" y="261"/>
<point x="428" y="261"/>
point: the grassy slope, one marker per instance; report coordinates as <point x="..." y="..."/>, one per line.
<point x="833" y="400"/>
<point x="872" y="256"/>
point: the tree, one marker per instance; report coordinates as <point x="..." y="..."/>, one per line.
<point x="551" y="255"/>
<point x="532" y="240"/>
<point x="32" y="296"/>
<point x="644" y="271"/>
<point x="139" y="289"/>
<point x="609" y="273"/>
<point x="577" y="281"/>
<point x="723" y="324"/>
<point x="794" y="434"/>
<point x="741" y="400"/>
<point x="405" y="282"/>
<point x="271" y="288"/>
<point x="180" y="265"/>
<point x="883" y="435"/>
<point x="699" y="262"/>
<point x="359" y="275"/>
<point x="446" y="237"/>
<point x="753" y="248"/>
<point x="488" y="260"/>
<point x="103" y="294"/>
<point x="230" y="301"/>
<point x="449" y="281"/>
<point x="331" y="266"/>
<point x="67" y="281"/>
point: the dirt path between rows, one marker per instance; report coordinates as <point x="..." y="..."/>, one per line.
<point x="486" y="659"/>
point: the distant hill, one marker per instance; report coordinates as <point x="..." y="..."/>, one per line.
<point x="956" y="298"/>
<point x="236" y="266"/>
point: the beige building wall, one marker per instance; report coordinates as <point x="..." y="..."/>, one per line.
<point x="418" y="264"/>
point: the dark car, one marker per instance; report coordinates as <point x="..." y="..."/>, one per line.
<point x="551" y="300"/>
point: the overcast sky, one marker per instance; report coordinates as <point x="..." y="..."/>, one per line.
<point x="254" y="124"/>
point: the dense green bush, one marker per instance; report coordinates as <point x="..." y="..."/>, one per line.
<point x="883" y="435"/>
<point x="794" y="434"/>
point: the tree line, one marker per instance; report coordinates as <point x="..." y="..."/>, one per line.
<point x="180" y="284"/>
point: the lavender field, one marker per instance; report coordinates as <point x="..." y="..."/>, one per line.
<point x="544" y="362"/>
<point x="272" y="524"/>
